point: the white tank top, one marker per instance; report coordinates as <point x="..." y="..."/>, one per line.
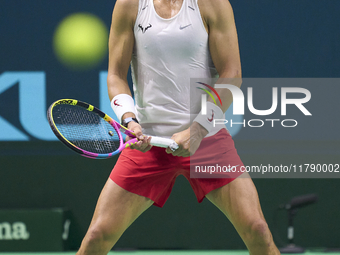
<point x="167" y="53"/>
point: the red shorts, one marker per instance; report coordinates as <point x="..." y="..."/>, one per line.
<point x="152" y="174"/>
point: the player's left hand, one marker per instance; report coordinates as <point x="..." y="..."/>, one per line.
<point x="188" y="140"/>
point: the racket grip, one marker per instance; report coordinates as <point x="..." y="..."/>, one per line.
<point x="164" y="142"/>
<point x="131" y="142"/>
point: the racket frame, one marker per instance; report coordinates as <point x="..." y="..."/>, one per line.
<point x="118" y="128"/>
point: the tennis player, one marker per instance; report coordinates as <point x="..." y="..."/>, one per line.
<point x="168" y="42"/>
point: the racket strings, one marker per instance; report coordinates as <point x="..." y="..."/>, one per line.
<point x="85" y="129"/>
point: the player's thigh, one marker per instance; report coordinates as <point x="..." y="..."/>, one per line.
<point x="239" y="201"/>
<point x="116" y="209"/>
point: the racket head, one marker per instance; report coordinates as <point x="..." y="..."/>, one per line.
<point x="85" y="129"/>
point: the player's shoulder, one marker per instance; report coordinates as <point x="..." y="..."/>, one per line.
<point x="128" y="3"/>
<point x="211" y="9"/>
<point x="127" y="8"/>
<point x="213" y="4"/>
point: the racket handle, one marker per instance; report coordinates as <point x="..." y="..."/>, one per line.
<point x="164" y="142"/>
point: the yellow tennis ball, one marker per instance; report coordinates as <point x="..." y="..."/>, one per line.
<point x="80" y="41"/>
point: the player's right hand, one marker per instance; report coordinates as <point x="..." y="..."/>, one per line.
<point x="143" y="143"/>
<point x="188" y="140"/>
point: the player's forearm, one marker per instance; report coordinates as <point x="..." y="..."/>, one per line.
<point x="215" y="108"/>
<point x="117" y="85"/>
<point x="231" y="78"/>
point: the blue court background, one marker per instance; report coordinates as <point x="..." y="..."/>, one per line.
<point x="278" y="39"/>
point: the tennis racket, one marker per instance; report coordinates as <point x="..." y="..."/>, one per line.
<point x="92" y="133"/>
